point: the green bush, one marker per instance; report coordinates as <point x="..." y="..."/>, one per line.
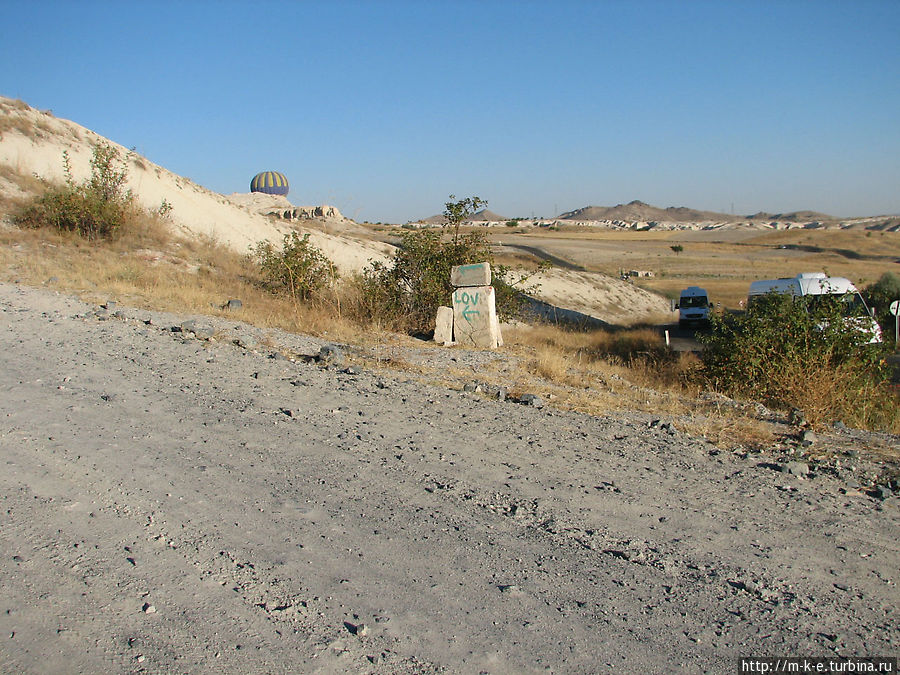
<point x="97" y="208"/>
<point x="297" y="269"/>
<point x="406" y="293"/>
<point x="793" y="353"/>
<point x="879" y="297"/>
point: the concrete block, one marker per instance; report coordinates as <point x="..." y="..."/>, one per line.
<point x="471" y="275"/>
<point x="475" y="321"/>
<point x="443" y="328"/>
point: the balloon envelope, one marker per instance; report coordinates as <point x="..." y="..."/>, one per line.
<point x="270" y="183"/>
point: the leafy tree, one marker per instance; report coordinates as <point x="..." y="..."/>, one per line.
<point x="407" y="292"/>
<point x="457" y="212"/>
<point x="677" y="248"/>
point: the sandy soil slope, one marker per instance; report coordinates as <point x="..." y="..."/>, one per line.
<point x="196" y="211"/>
<point x="600" y="296"/>
<point x="169" y="504"/>
<point x="239" y="220"/>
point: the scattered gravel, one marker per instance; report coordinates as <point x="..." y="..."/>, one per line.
<point x="288" y="515"/>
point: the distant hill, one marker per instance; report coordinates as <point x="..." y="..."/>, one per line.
<point x="641" y="212"/>
<point x="439" y="219"/>
<point x="487" y="216"/>
<point x="479" y="216"/>
<point x="793" y="216"/>
<point x="887" y="224"/>
<point x="638" y="211"/>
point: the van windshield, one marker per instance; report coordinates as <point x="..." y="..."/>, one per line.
<point x="693" y="301"/>
<point x="852" y="304"/>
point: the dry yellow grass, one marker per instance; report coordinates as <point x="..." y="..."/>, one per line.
<point x="594" y="372"/>
<point x="148" y="269"/>
<point x="13" y="117"/>
<point x="723" y="262"/>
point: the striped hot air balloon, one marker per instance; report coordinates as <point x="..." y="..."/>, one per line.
<point x="270" y="182"/>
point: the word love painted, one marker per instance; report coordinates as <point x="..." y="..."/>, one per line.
<point x="469" y="301"/>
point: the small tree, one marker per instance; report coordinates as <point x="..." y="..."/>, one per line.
<point x="408" y="292"/>
<point x="297" y="269"/>
<point x="97" y="208"/>
<point x="677" y="248"/>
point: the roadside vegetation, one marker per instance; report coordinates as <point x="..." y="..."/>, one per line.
<point x="879" y="297"/>
<point x="791" y="353"/>
<point x="92" y="238"/>
<point x="405" y="294"/>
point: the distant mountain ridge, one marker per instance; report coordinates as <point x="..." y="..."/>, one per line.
<point x="681" y="217"/>
<point x="641" y="212"/>
<point x="638" y="211"/>
<point x="793" y="216"/>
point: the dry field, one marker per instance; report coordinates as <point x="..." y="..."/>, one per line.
<point x="723" y="262"/>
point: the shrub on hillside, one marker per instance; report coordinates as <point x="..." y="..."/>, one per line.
<point x="297" y="269"/>
<point x="96" y="208"/>
<point x="790" y="353"/>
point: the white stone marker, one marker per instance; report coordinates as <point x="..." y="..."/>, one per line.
<point x="475" y="320"/>
<point x="443" y="328"/>
<point x="471" y="275"/>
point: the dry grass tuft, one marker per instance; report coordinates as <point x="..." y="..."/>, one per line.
<point x="730" y="430"/>
<point x="14" y="116"/>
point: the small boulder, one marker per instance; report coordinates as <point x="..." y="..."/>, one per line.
<point x="883" y="492"/>
<point x="331" y="355"/>
<point x="799" y="469"/>
<point x="533" y="400"/>
<point x="247" y="342"/>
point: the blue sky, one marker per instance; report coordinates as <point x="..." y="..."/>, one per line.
<point x="385" y="108"/>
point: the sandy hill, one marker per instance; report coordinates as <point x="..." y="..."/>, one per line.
<point x="638" y="211"/>
<point x="33" y="142"/>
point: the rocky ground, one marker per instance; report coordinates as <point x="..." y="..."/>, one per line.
<point x="201" y="497"/>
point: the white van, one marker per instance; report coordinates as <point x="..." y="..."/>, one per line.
<point x="693" y="306"/>
<point x="817" y="284"/>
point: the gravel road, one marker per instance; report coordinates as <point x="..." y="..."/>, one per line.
<point x="176" y="504"/>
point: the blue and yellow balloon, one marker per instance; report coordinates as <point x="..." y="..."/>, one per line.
<point x="270" y="183"/>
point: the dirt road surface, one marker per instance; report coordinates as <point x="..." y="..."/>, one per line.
<point x="171" y="504"/>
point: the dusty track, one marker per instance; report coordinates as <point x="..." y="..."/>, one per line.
<point x="176" y="505"/>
